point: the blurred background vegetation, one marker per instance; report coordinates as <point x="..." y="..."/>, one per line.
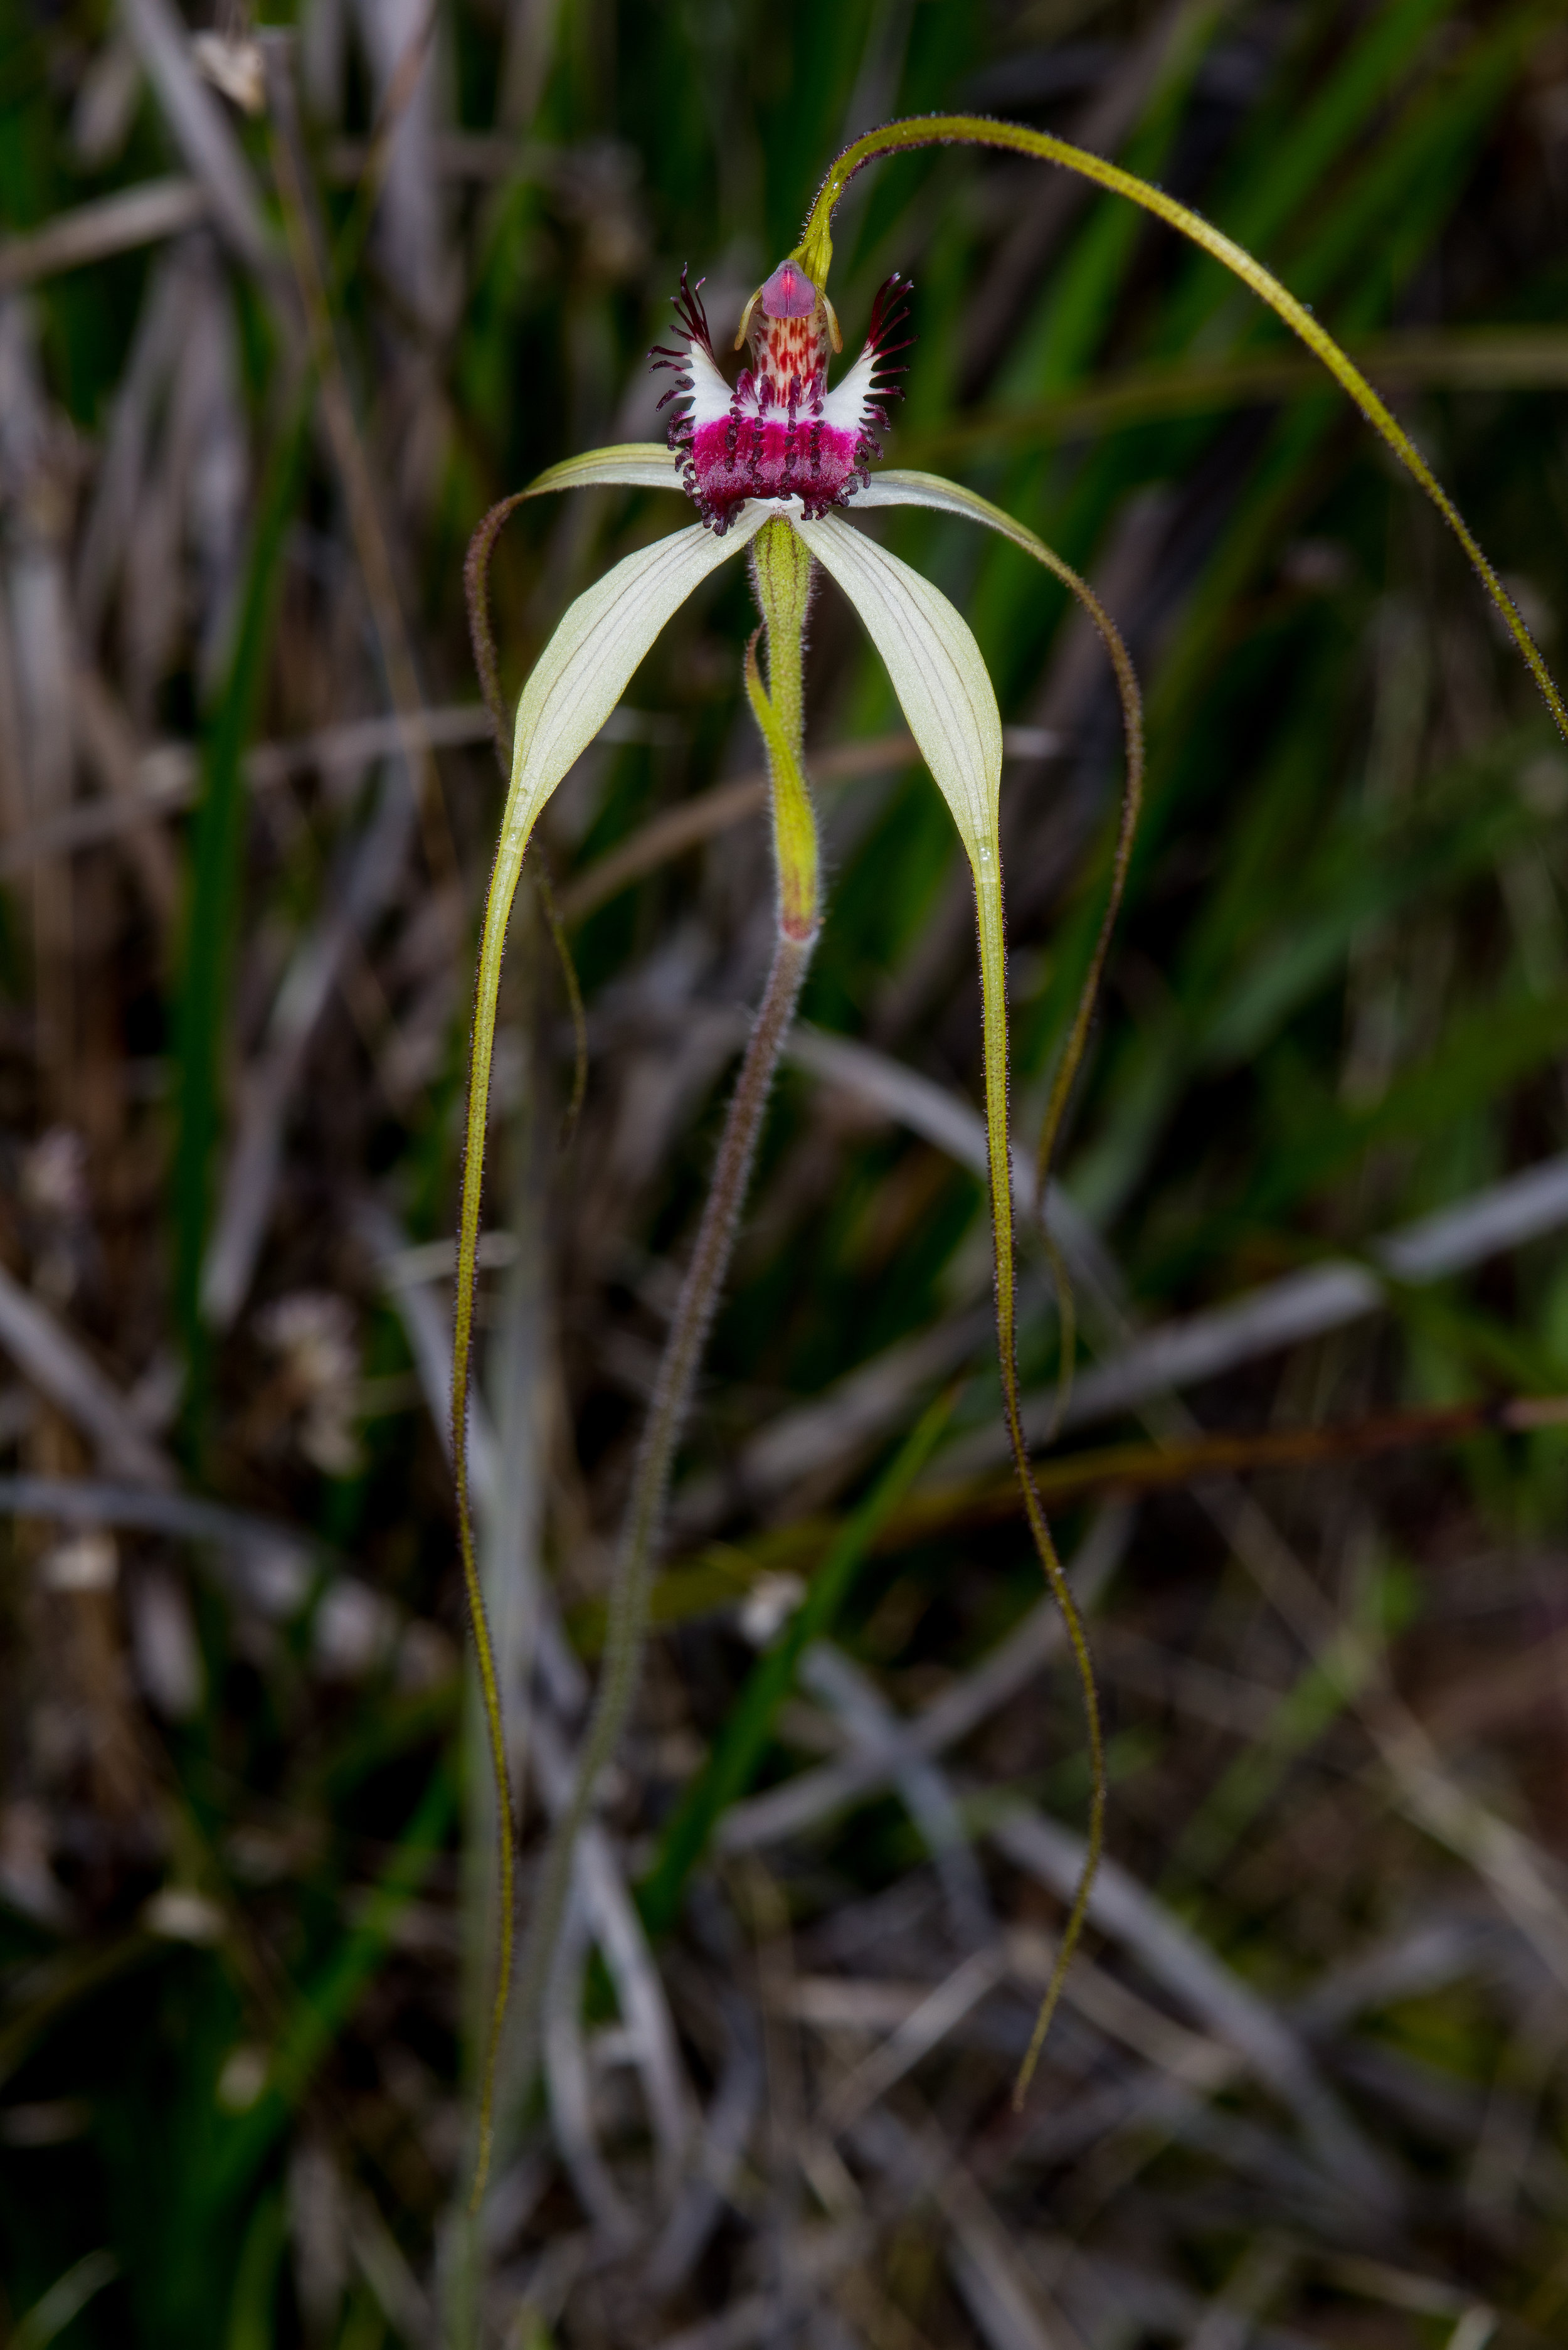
<point x="284" y="307"/>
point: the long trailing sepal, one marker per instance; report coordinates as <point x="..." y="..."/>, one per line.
<point x="898" y="488"/>
<point x="574" y="685"/>
<point x="625" y="465"/>
<point x="947" y="696"/>
<point x="814" y="252"/>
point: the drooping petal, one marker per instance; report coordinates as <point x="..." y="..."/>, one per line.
<point x="631" y="464"/>
<point x="937" y="671"/>
<point x="897" y="488"/>
<point x="947" y="696"/>
<point x="575" y="683"/>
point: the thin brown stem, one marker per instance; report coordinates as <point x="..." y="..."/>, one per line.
<point x="782" y="577"/>
<point x="627" y="1622"/>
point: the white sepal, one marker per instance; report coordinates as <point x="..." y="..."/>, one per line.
<point x="575" y="683"/>
<point x="934" y="663"/>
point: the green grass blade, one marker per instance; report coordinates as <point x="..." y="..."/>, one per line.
<point x="324" y="2006"/>
<point x="64" y="2302"/>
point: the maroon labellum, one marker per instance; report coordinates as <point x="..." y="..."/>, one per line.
<point x="779" y="434"/>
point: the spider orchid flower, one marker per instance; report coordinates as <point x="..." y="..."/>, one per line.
<point x="781" y="451"/>
<point x="779" y="446"/>
<point x="772" y="462"/>
<point x="779" y="434"/>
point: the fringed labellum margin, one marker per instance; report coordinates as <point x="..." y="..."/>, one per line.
<point x="780" y="434"/>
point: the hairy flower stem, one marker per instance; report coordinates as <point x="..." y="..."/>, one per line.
<point x="782" y="575"/>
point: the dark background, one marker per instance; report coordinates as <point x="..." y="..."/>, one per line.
<point x="1306" y="2084"/>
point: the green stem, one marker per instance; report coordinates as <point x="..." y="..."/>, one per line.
<point x="814" y="253"/>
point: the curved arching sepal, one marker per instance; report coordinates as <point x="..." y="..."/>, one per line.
<point x="895" y="487"/>
<point x="814" y="253"/>
<point x="930" y="652"/>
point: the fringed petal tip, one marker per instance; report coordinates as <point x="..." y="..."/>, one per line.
<point x="890" y="316"/>
<point x="856" y="407"/>
<point x="691" y="325"/>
